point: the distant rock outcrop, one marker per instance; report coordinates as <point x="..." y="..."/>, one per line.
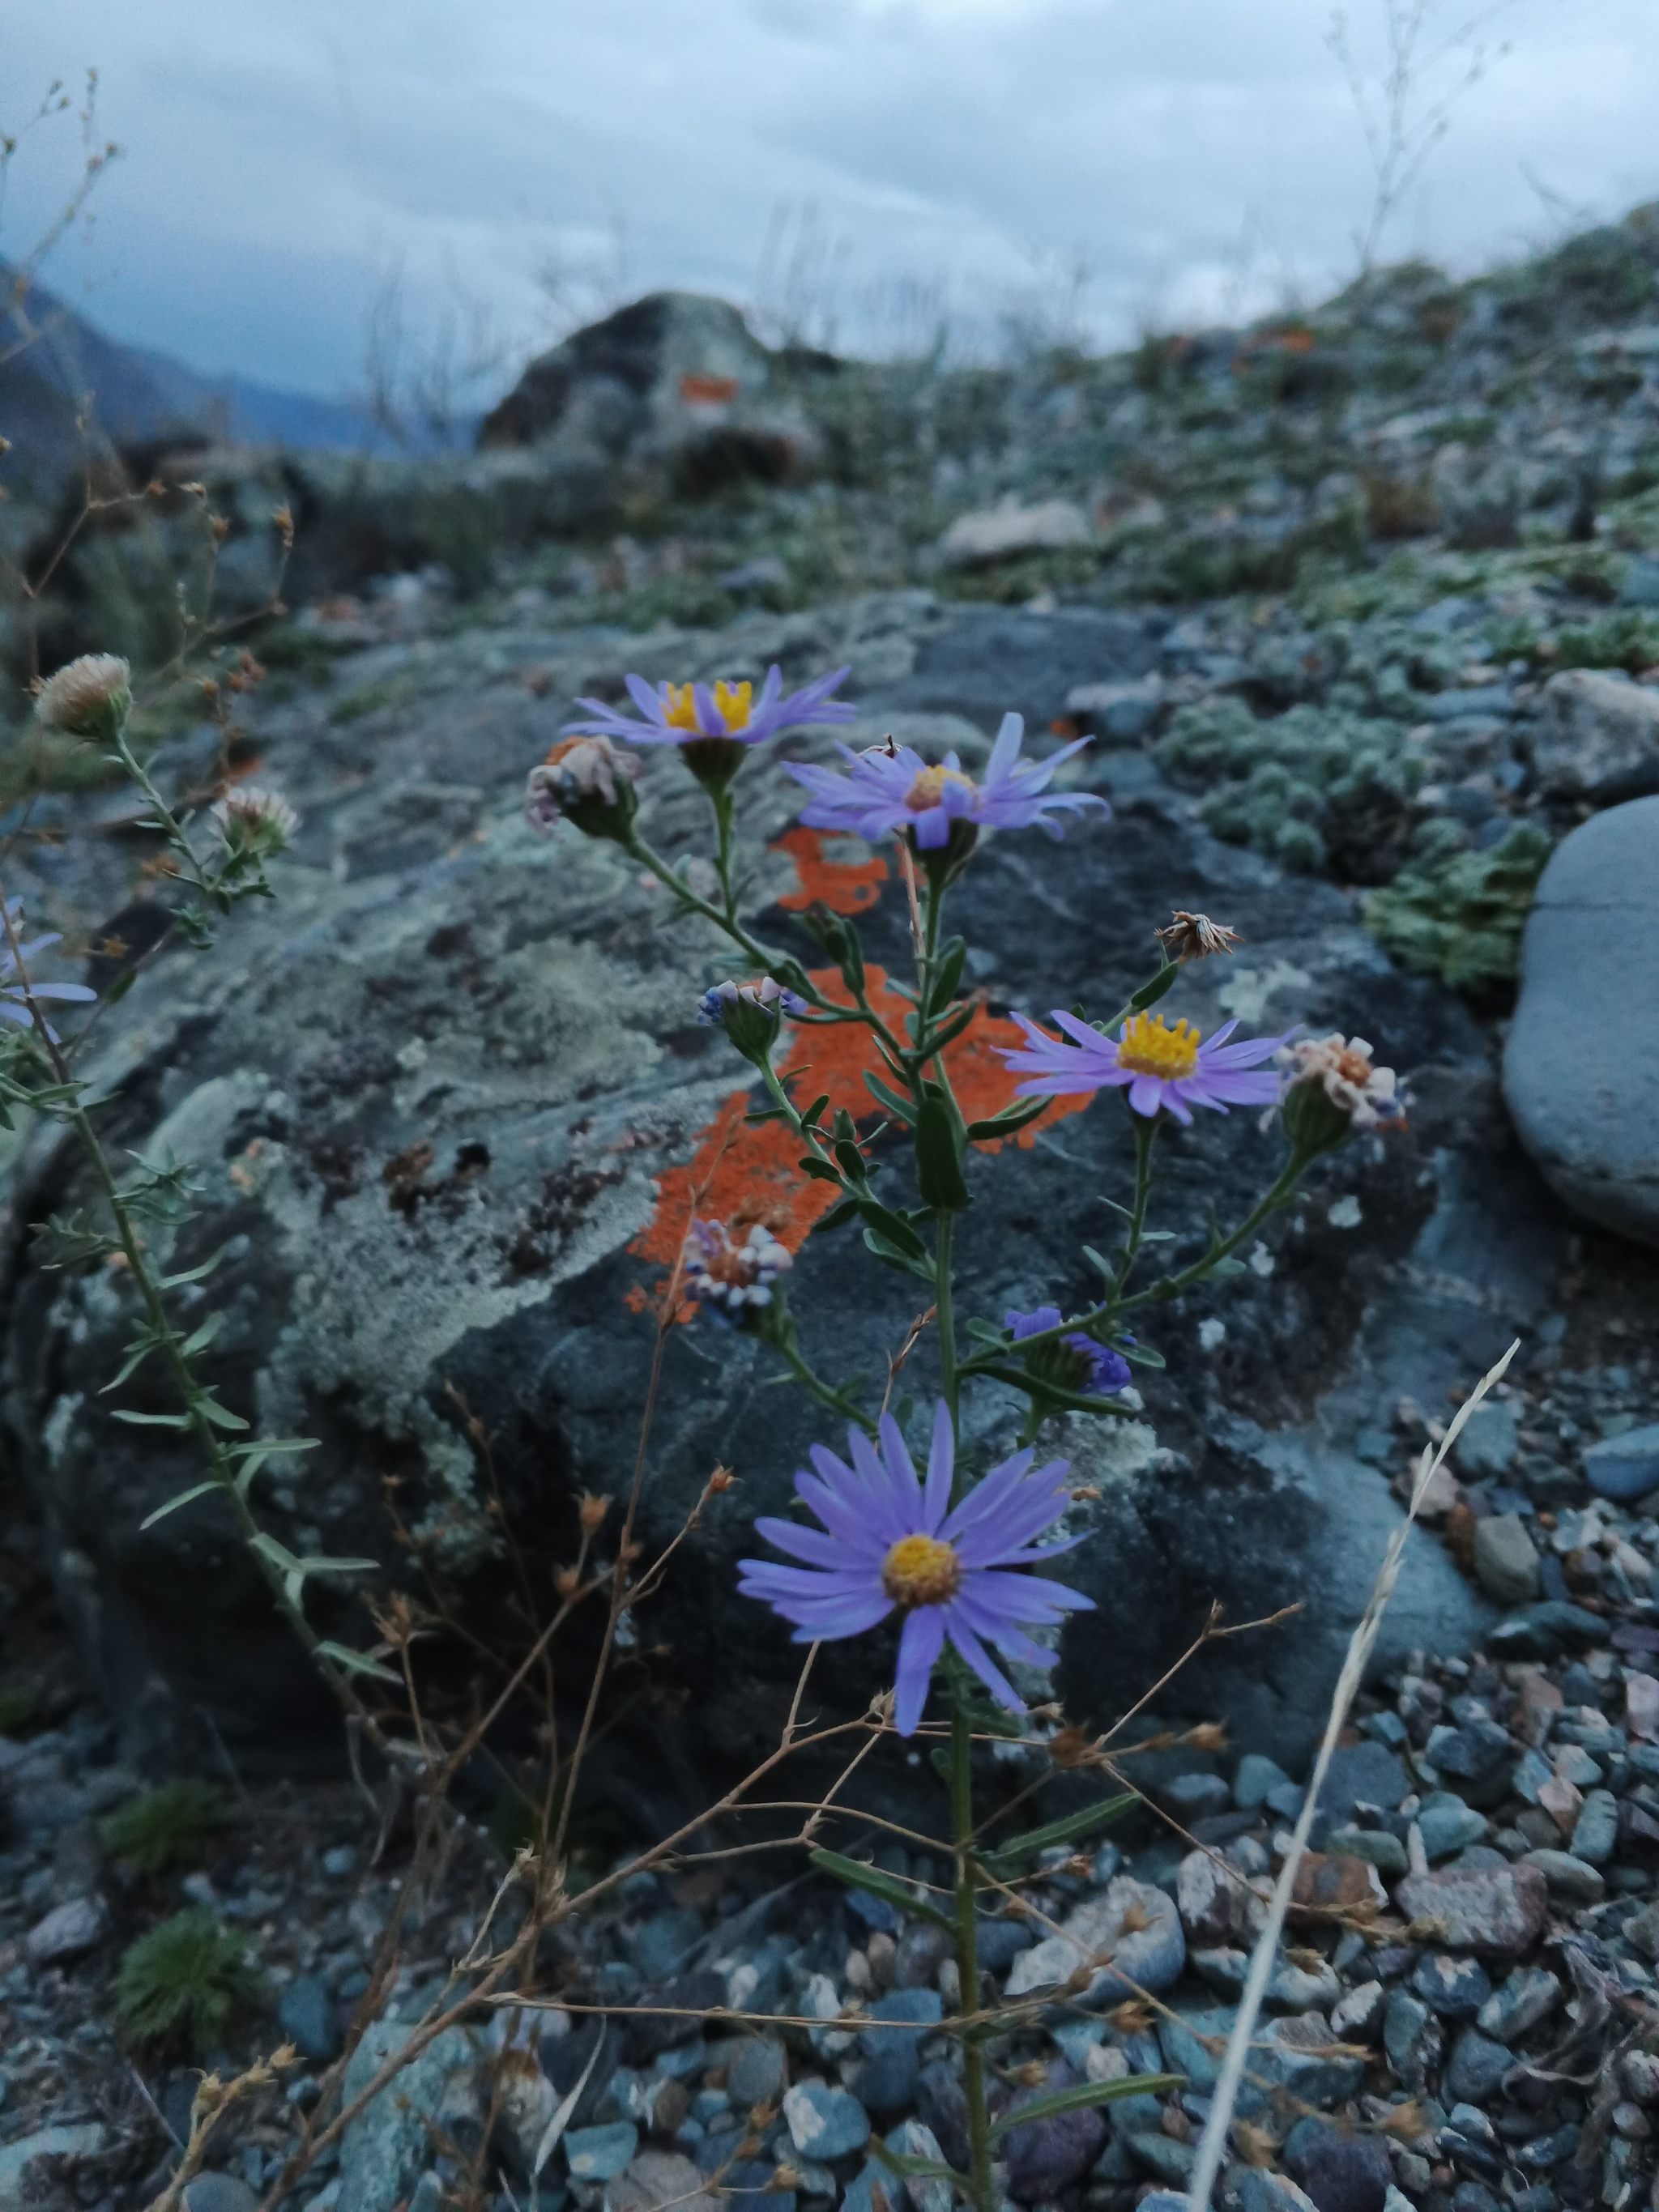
<point x="678" y="374"/>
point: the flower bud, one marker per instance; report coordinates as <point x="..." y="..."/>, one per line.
<point x="1076" y="1362"/>
<point x="749" y="1013"/>
<point x="255" y="823"/>
<point x="1328" y="1089"/>
<point x="586" y="781"/>
<point x="91" y="697"/>
<point x="730" y="1277"/>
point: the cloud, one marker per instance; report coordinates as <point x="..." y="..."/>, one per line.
<point x="1200" y="156"/>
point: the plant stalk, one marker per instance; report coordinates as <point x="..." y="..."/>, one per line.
<point x="973" y="2074"/>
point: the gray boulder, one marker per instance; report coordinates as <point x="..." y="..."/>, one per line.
<point x="676" y="374"/>
<point x="1599" y="739"/>
<point x="1580" y="1068"/>
<point x="447" y="1097"/>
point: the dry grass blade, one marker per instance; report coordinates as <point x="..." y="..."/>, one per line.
<point x="561" y="2119"/>
<point x="1212" y="2146"/>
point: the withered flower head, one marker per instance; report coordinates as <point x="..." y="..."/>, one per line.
<point x="1195" y="937"/>
<point x="594" y="1510"/>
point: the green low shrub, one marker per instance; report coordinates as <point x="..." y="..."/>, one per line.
<point x="1459" y="915"/>
<point x="183" y="1983"/>
<point x="178" y="1825"/>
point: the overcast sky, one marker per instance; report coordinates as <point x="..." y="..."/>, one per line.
<point x="281" y="159"/>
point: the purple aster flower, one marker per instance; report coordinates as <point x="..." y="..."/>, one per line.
<point x="1162" y="1066"/>
<point x="727" y="1275"/>
<point x="680" y="714"/>
<point x="893" y="1544"/>
<point x="17" y="986"/>
<point x="1091" y="1369"/>
<point x="891" y="788"/>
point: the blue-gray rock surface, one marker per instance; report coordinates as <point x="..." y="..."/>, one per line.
<point x="1580" y="1067"/>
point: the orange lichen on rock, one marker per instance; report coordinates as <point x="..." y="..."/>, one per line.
<point x="744" y="1172"/>
<point x="844" y="886"/>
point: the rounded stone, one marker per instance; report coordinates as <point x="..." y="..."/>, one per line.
<point x="1343" y="2173"/>
<point x="1580" y="1067"/>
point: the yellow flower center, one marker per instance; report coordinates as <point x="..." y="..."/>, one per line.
<point x="734" y="701"/>
<point x="920" y="1570"/>
<point x="928" y="788"/>
<point x="1149" y="1048"/>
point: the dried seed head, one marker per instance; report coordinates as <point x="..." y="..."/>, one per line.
<point x="593" y="1511"/>
<point x="1195" y="937"/>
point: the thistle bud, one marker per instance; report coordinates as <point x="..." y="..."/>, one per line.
<point x="1328" y="1089"/>
<point x="255" y="823"/>
<point x="586" y="780"/>
<point x="91" y="697"/>
<point x="749" y="1013"/>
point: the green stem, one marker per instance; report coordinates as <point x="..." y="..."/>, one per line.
<point x="172" y="1352"/>
<point x="1145" y="1133"/>
<point x="1172" y="1286"/>
<point x="973" y="2080"/>
<point x="825" y="1393"/>
<point x="944" y="1300"/>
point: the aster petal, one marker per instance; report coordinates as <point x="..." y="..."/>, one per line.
<point x="899" y="1467"/>
<point x="9" y="1012"/>
<point x="920" y="1641"/>
<point x="884" y="1492"/>
<point x="941" y="1468"/>
<point x="932" y="829"/>
<point x="988" y="1497"/>
<point x="833" y="1623"/>
<point x="648" y="699"/>
<point x="1005" y="751"/>
<point x="980" y="1661"/>
<point x="1027" y="1597"/>
<point x="862" y="1531"/>
<point x="1081" y="1034"/>
<point x="78" y="992"/>
<point x="809" y="1544"/>
<point x="710" y="721"/>
<point x="1147" y="1093"/>
<point x="1016" y="1522"/>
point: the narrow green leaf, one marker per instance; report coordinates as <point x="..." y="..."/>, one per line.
<point x="1103" y="1267"/>
<point x="204" y="1336"/>
<point x="278" y="1554"/>
<point x="1004" y="1862"/>
<point x="356" y="1662"/>
<point x="893" y="1227"/>
<point x="948" y="1032"/>
<point x="191" y="1274"/>
<point x="811" y="1117"/>
<point x="1150" y="994"/>
<point x="267" y="1444"/>
<point x="857" y="1876"/>
<point x="836" y="1217"/>
<point x="917" y="2169"/>
<point x="1010" y="1121"/>
<point x="1140" y="1355"/>
<point x="151" y="1420"/>
<point x="890" y="1099"/>
<point x="982" y="1332"/>
<point x="853" y="1163"/>
<point x="1051" y="1394"/>
<point x="184" y="1498"/>
<point x="766" y="1113"/>
<point x="820" y="1170"/>
<point x="1220" y="1270"/>
<point x="890" y="1255"/>
<point x="1086" y="2094"/>
<point x="939" y="1163"/>
<point x="137" y="1353"/>
<point x="221" y="1416"/>
<point x="317" y="1563"/>
<point x="947" y="973"/>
